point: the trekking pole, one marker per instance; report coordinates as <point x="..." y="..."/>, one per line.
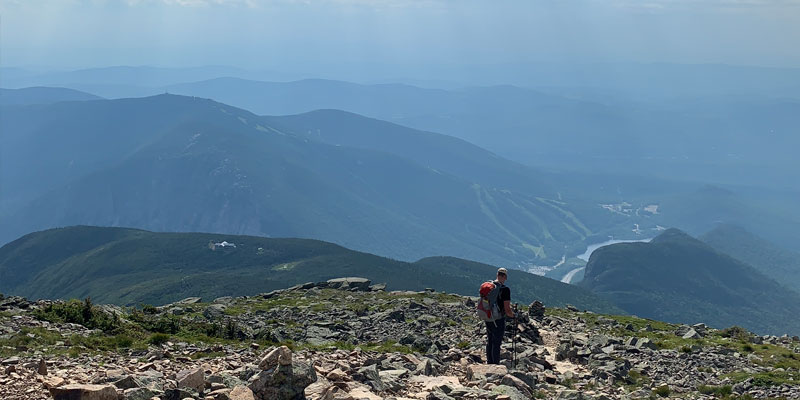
<point x="514" y="338"/>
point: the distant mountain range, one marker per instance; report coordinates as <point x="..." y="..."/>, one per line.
<point x="771" y="260"/>
<point x="42" y="95"/>
<point x="710" y="123"/>
<point x="129" y="267"/>
<point x="732" y="139"/>
<point x="678" y="278"/>
<point x="175" y="163"/>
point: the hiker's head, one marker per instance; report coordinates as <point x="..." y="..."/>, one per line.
<point x="502" y="275"/>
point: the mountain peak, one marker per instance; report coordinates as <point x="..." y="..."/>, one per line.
<point x="673" y="234"/>
<point x="678" y="278"/>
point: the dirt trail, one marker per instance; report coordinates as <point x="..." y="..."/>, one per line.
<point x="551" y="341"/>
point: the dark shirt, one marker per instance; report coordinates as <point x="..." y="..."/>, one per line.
<point x="505" y="295"/>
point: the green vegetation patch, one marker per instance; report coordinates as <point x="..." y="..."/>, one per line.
<point x="80" y="312"/>
<point x="766" y="379"/>
<point x="720" y="391"/>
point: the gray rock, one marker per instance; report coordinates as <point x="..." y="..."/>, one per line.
<point x="189" y="300"/>
<point x="283" y="382"/>
<point x="215" y="311"/>
<point x="378" y="287"/>
<point x="571" y="395"/>
<point x="84" y="392"/>
<point x="128" y="382"/>
<point x="10" y="361"/>
<point x="371" y="377"/>
<point x="510" y="391"/>
<point x="350" y="283"/>
<point x="139" y="394"/>
<point x="536" y="310"/>
<point x="393" y="378"/>
<point x="179" y="394"/>
<point x="191" y="378"/>
<point x="691" y="334"/>
<point x="425" y="367"/>
<point x="488" y="372"/>
<point x="519" y="384"/>
<point x="278" y="356"/>
<point x="226" y="300"/>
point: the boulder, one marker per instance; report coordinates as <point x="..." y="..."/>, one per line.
<point x="139" y="394"/>
<point x="508" y="393"/>
<point x="191" y="379"/>
<point x="691" y="334"/>
<point x="189" y="300"/>
<point x="282" y="382"/>
<point x="393" y="378"/>
<point x="277" y="356"/>
<point x="350" y="283"/>
<point x="490" y="372"/>
<point x="179" y="394"/>
<point x="378" y="287"/>
<point x="565" y="351"/>
<point x="371" y="377"/>
<point x="641" y="343"/>
<point x="241" y="393"/>
<point x="52" y="381"/>
<point x="84" y="392"/>
<point x="215" y="311"/>
<point x="128" y="382"/>
<point x="519" y="384"/>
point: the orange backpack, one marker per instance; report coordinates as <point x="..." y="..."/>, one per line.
<point x="487" y="309"/>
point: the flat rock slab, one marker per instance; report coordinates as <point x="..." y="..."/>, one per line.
<point x="361" y="284"/>
<point x="84" y="392"/>
<point x="428" y="383"/>
<point x="490" y="372"/>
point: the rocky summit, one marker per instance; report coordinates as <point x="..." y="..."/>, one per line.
<point x="349" y="339"/>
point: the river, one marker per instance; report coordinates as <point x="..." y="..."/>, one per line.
<point x="589" y="250"/>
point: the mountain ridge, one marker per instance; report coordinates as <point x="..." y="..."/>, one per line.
<point x="132" y="266"/>
<point x="772" y="260"/>
<point x="678" y="278"/>
<point x="163" y="163"/>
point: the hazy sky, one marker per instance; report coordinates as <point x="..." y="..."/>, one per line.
<point x="354" y="33"/>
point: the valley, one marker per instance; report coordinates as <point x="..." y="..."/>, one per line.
<point x="305" y="200"/>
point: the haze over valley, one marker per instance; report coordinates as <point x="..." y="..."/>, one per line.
<point x="333" y="180"/>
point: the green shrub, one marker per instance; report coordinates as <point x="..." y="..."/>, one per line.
<point x="736" y="333"/>
<point x="149" y="309"/>
<point x="662" y="391"/>
<point x="157" y="339"/>
<point x="80" y="312"/>
<point x="722" y="391"/>
<point x="122" y="341"/>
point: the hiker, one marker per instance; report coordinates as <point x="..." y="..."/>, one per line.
<point x="496" y="329"/>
